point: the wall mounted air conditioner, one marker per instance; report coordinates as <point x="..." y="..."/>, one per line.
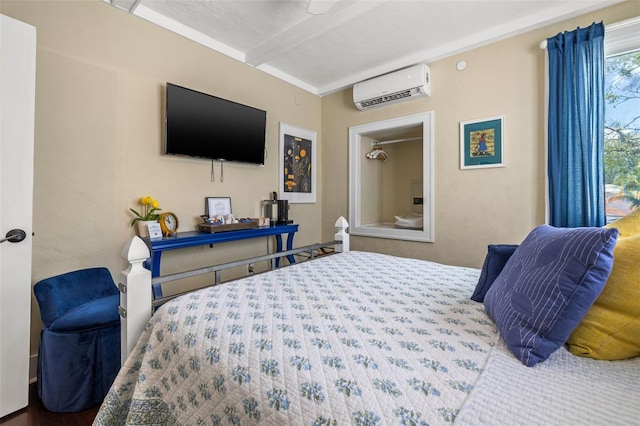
<point x="397" y="86"/>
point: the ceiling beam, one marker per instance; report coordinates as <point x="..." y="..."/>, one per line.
<point x="307" y="29"/>
<point x="128" y="5"/>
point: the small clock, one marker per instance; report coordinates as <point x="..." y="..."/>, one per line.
<point x="168" y="224"/>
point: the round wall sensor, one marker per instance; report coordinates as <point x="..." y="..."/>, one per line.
<point x="461" y="65"/>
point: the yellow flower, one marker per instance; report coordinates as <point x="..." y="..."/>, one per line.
<point x="150" y="207"/>
<point x="303" y="153"/>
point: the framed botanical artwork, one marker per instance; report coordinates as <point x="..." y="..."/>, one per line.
<point x="217" y="206"/>
<point x="482" y="143"/>
<point x="297" y="164"/>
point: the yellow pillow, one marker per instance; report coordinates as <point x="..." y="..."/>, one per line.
<point x="611" y="328"/>
<point x="628" y="225"/>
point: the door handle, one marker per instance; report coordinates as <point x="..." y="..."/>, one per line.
<point x="14" y="236"/>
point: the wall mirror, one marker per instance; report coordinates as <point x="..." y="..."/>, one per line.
<point x="391" y="178"/>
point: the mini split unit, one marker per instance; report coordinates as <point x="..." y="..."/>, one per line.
<point x="398" y="86"/>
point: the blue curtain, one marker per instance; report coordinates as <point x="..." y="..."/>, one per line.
<point x="576" y="128"/>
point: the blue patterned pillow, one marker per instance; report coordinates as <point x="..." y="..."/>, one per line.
<point x="547" y="286"/>
<point x="497" y="257"/>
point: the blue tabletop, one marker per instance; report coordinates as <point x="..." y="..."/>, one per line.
<point x="197" y="238"/>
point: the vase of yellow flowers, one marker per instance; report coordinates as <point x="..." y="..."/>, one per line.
<point x="148" y="214"/>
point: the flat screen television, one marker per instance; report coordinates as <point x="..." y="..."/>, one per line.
<point x="206" y="126"/>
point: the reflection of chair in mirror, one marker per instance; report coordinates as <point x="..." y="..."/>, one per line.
<point x="410" y="220"/>
<point x="79" y="353"/>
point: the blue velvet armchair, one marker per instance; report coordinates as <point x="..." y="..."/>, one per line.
<point x="79" y="353"/>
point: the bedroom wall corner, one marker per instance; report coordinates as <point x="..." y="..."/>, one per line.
<point x="477" y="207"/>
<point x="98" y="139"/>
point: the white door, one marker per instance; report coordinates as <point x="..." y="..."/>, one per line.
<point x="17" y="101"/>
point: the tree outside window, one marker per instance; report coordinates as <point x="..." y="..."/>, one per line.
<point x="622" y="134"/>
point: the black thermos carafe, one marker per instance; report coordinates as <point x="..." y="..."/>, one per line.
<point x="283" y="212"/>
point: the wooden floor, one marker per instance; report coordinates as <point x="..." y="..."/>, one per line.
<point x="36" y="415"/>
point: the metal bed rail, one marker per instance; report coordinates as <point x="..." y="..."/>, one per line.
<point x="217" y="269"/>
<point x="135" y="284"/>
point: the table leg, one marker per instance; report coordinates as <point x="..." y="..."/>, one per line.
<point x="278" y="249"/>
<point x="291" y="258"/>
<point x="155" y="272"/>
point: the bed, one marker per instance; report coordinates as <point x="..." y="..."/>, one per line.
<point x="354" y="338"/>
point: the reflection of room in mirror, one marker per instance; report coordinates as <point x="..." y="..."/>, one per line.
<point x="389" y="201"/>
<point x="413" y="219"/>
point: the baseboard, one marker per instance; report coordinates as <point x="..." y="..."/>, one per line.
<point x="33" y="368"/>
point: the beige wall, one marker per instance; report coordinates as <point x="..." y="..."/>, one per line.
<point x="100" y="79"/>
<point x="473" y="208"/>
<point x="99" y="99"/>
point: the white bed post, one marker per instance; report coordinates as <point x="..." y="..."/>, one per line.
<point x="341" y="237"/>
<point x="135" y="295"/>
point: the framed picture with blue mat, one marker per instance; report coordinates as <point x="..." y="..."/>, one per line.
<point x="482" y="143"/>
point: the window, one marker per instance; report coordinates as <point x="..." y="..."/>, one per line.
<point x="622" y="119"/>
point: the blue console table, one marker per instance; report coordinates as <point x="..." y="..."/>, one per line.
<point x="196" y="238"/>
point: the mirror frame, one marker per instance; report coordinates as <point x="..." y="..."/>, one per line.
<point x="355" y="195"/>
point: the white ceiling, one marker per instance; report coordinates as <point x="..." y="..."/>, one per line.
<point x="346" y="41"/>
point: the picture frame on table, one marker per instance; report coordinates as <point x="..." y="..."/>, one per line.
<point x="217" y="206"/>
<point x="298" y="152"/>
<point x="155" y="232"/>
<point x="482" y="143"/>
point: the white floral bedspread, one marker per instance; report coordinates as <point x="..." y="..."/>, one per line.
<point x="564" y="390"/>
<point x="353" y="338"/>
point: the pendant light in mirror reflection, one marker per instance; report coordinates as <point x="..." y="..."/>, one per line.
<point x="378" y="153"/>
